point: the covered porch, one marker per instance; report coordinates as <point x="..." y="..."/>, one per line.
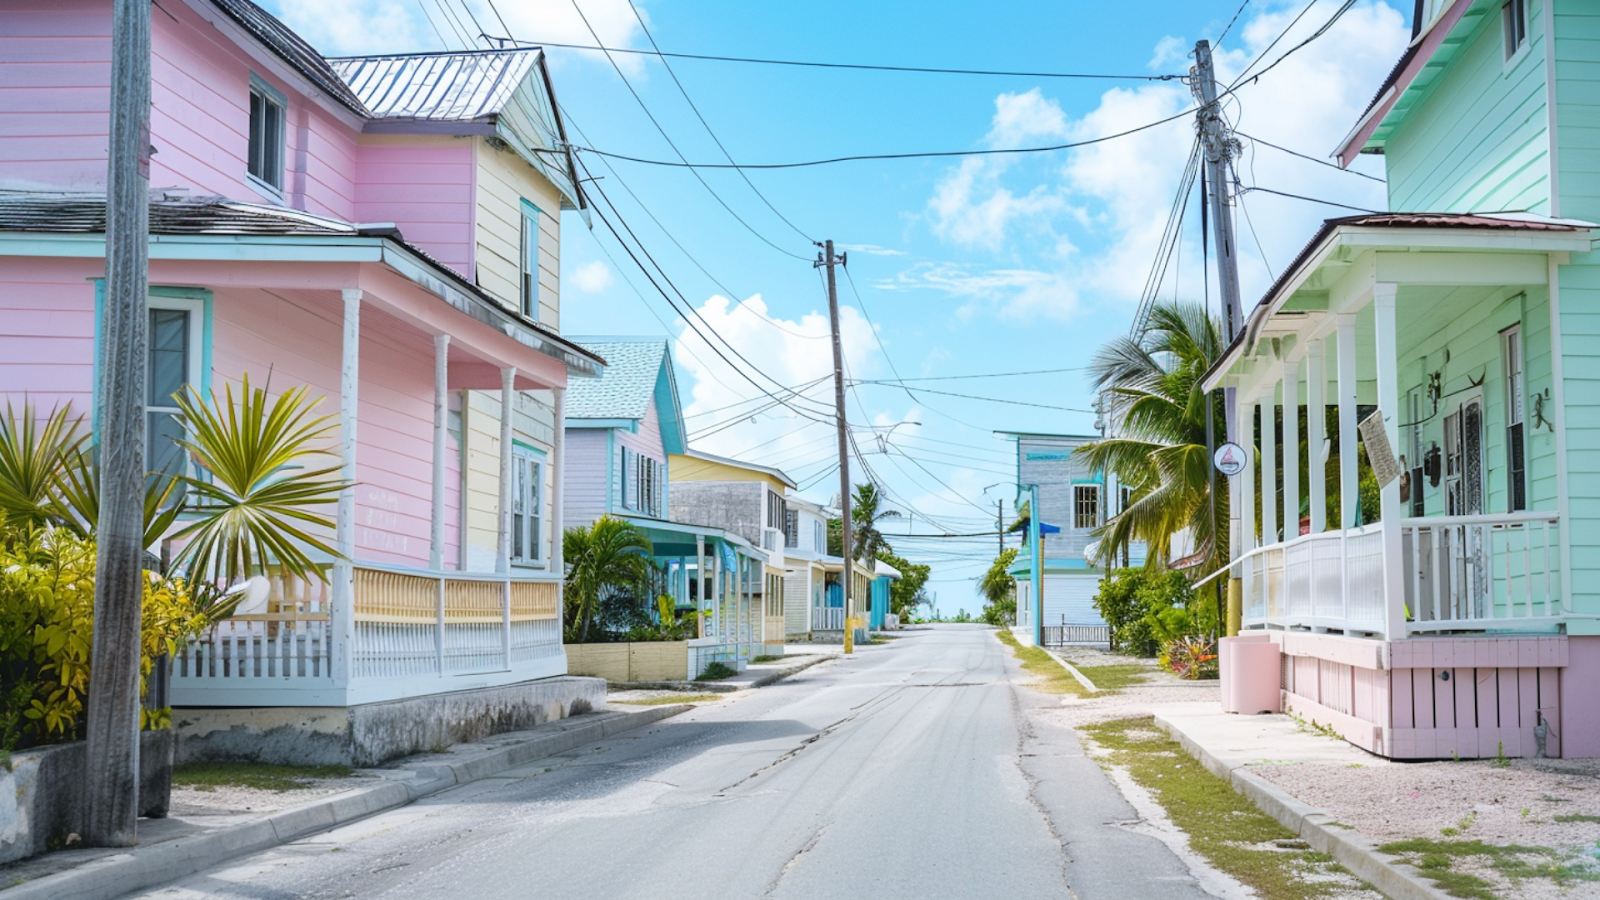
<point x="718" y="575"/>
<point x="1401" y="529"/>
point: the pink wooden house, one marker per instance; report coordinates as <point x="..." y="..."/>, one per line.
<point x="383" y="229"/>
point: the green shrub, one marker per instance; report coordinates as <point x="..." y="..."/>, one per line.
<point x="717" y="671"/>
<point x="1147" y="607"/>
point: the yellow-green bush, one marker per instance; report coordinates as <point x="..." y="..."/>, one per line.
<point x="47" y="628"/>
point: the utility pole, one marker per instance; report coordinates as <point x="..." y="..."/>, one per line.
<point x="828" y="260"/>
<point x="1218" y="147"/>
<point x="111" y="795"/>
<point x="1000" y="525"/>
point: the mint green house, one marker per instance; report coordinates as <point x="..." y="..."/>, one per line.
<point x="1465" y="617"/>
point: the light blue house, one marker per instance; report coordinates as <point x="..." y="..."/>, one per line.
<point x="622" y="430"/>
<point x="1466" y="619"/>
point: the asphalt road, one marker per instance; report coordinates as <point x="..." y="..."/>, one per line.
<point x="911" y="770"/>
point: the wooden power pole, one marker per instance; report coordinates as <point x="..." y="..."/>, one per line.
<point x="828" y="260"/>
<point x="111" y="795"/>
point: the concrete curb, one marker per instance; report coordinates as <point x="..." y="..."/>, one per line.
<point x="1352" y="849"/>
<point x="123" y="873"/>
<point x="1073" y="671"/>
<point x="781" y="674"/>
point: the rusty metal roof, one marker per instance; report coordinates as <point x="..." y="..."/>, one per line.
<point x="292" y="48"/>
<point x="436" y="86"/>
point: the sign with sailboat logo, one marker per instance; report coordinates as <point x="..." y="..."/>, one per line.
<point x="1230" y="459"/>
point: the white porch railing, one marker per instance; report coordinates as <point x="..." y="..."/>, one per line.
<point x="413" y="632"/>
<point x="827" y="618"/>
<point x="1472" y="572"/>
<point x="1460" y="573"/>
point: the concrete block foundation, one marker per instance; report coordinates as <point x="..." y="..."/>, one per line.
<point x="374" y="733"/>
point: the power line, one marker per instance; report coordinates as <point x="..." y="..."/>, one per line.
<point x="933" y="154"/>
<point x="981" y="375"/>
<point x="1263" y="55"/>
<point x="651" y="116"/>
<point x="1314" y="35"/>
<point x="1231" y="21"/>
<point x="707" y="125"/>
<point x="922" y="390"/>
<point x="870" y="67"/>
<point x="1307" y="199"/>
<point x="1320" y="162"/>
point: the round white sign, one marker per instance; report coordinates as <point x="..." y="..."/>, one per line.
<point x="1230" y="459"/>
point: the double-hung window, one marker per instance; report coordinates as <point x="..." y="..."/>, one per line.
<point x="265" y="164"/>
<point x="1414" y="451"/>
<point x="527" y="496"/>
<point x="174" y="364"/>
<point x="1516" y="428"/>
<point x="1514" y="21"/>
<point x="1085" y="506"/>
<point x="529" y="263"/>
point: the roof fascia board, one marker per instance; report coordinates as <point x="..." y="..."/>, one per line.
<point x="667" y="389"/>
<point x="1429" y="40"/>
<point x="629" y="424"/>
<point x="272" y="62"/>
<point x="452" y="128"/>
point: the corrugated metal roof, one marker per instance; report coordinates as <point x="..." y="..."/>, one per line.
<point x="449" y="87"/>
<point x="292" y="48"/>
<point x="200" y="215"/>
<point x="626" y="386"/>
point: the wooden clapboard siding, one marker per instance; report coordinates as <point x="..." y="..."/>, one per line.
<point x="504" y="180"/>
<point x="47" y="341"/>
<point x="423" y="185"/>
<point x="588" y="475"/>
<point x="1479" y="141"/>
<point x="531" y="424"/>
<point x="55" y="93"/>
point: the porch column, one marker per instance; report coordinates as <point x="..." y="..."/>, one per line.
<point x="1349" y="477"/>
<point x="502" y="562"/>
<point x="1247" y="495"/>
<point x="558" y="480"/>
<point x="700" y="584"/>
<point x="1316" y="433"/>
<point x="1269" y="465"/>
<point x="344" y="575"/>
<point x="441" y="434"/>
<point x="1383" y="302"/>
<point x="1291" y="450"/>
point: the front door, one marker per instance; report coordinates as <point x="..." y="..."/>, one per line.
<point x="1464" y="477"/>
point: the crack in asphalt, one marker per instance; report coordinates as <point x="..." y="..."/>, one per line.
<point x="1025" y="733"/>
<point x="794" y="860"/>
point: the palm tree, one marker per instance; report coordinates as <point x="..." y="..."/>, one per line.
<point x="999" y="588"/>
<point x="1157" y="446"/>
<point x="865" y="513"/>
<point x="608" y="557"/>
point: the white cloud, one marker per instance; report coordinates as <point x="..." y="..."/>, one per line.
<point x="1092" y="227"/>
<point x="1169" y="50"/>
<point x="871" y="250"/>
<point x="359" y="26"/>
<point x="593" y="277"/>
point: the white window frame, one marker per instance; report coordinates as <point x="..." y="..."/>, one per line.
<point x="1077" y="502"/>
<point x="270" y="181"/>
<point x="1514" y="371"/>
<point x="194" y="378"/>
<point x="1514" y="30"/>
<point x="531" y="497"/>
<point x="528" y="261"/>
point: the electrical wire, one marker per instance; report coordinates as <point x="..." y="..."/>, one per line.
<point x="1231" y="21"/>
<point x="934" y="154"/>
<point x="718" y="141"/>
<point x="444" y="44"/>
<point x="1307" y="199"/>
<point x="1281" y="35"/>
<point x="651" y="116"/>
<point x="1314" y="35"/>
<point x="984" y="375"/>
<point x="870" y="67"/>
<point x="1321" y="162"/>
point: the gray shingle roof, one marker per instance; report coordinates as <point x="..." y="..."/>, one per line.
<point x="626" y="386"/>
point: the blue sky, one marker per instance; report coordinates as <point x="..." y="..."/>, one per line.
<point x="999" y="264"/>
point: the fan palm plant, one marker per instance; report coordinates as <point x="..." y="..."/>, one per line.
<point x="866" y="511"/>
<point x="1157" y="447"/>
<point x="608" y="557"/>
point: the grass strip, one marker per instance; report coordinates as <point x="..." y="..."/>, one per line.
<point x="1053" y="676"/>
<point x="208" y="776"/>
<point x="1435" y="860"/>
<point x="1116" y="676"/>
<point x="1222" y="825"/>
<point x="667" y="701"/>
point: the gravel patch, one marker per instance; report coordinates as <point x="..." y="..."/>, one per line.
<point x="635" y="696"/>
<point x="1131" y="702"/>
<point x="227" y="800"/>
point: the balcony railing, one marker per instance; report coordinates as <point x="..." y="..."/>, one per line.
<point x="1459" y="573"/>
<point x="412" y="632"/>
<point x="827" y="618"/>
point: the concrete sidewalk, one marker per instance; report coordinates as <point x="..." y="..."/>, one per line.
<point x="1229" y="745"/>
<point x="178" y="845"/>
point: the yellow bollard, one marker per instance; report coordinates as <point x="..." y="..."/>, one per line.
<point x="1235" y="606"/>
<point x="849" y="634"/>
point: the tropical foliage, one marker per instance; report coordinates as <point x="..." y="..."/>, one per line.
<point x="608" y="580"/>
<point x="47" y="632"/>
<point x="1148" y="608"/>
<point x="909" y="593"/>
<point x="999" y="590"/>
<point x="866" y="512"/>
<point x="1157" y="446"/>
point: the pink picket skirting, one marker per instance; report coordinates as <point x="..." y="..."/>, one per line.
<point x="284" y="321"/>
<point x="1432" y="698"/>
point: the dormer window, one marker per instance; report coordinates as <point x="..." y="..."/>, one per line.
<point x="1514" y="16"/>
<point x="265" y="164"/>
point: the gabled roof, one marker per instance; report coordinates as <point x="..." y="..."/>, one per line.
<point x="638" y="373"/>
<point x="454" y="87"/>
<point x="741" y="464"/>
<point x="292" y="49"/>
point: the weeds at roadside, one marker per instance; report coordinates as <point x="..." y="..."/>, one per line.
<point x="1436" y="861"/>
<point x="665" y="701"/>
<point x="1578" y="817"/>
<point x="208" y="776"/>
<point x="716" y="672"/>
<point x="1222" y="826"/>
<point x="1053" y="676"/>
<point x="1116" y="676"/>
<point x="764" y="658"/>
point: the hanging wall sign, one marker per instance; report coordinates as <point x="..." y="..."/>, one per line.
<point x="1379" y="452"/>
<point x="1230" y="459"/>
